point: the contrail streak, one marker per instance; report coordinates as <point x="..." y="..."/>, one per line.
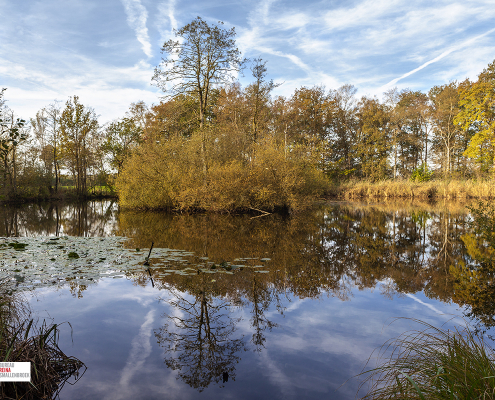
<point x="438" y="58"/>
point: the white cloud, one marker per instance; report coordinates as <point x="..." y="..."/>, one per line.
<point x="140" y="350"/>
<point x="438" y="58"/>
<point x="167" y="12"/>
<point x="365" y="13"/>
<point x="52" y="50"/>
<point x="108" y="89"/>
<point x="136" y="18"/>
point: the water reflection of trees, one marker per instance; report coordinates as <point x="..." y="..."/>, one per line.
<point x="331" y="250"/>
<point x="95" y="218"/>
<point x="474" y="277"/>
<point x="199" y="337"/>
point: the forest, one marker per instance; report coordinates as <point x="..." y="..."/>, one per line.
<point x="212" y="144"/>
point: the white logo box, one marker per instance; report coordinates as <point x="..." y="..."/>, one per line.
<point x="15" y="372"/>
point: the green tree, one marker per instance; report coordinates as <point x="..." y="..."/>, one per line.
<point x="342" y="129"/>
<point x="373" y="144"/>
<point x="309" y="115"/>
<point x="412" y="139"/>
<point x="120" y="138"/>
<point x="445" y="106"/>
<point x="78" y="128"/>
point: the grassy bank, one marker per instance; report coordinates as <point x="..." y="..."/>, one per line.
<point x="22" y="339"/>
<point x="433" y="363"/>
<point x="437" y="189"/>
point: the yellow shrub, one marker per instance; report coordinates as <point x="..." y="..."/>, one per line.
<point x="171" y="175"/>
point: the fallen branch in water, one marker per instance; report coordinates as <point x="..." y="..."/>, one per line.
<point x="263" y="213"/>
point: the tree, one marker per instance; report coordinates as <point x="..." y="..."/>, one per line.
<point x="138" y="112"/>
<point x="12" y="135"/>
<point x="412" y="140"/>
<point x="198" y="337"/>
<point x="342" y="129"/>
<point x="47" y="132"/>
<point x="258" y="96"/>
<point x="445" y="106"/>
<point x="78" y="126"/>
<point x="397" y="120"/>
<point x="477" y="113"/>
<point x="310" y="112"/>
<point x="120" y="137"/>
<point x="172" y="119"/>
<point x="203" y="57"/>
<point x="373" y="145"/>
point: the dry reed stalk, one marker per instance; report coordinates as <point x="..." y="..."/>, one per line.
<point x="21" y="340"/>
<point x="446" y="189"/>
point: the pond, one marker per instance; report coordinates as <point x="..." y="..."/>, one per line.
<point x="244" y="307"/>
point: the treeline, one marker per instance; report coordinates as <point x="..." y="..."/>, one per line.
<point x="213" y="144"/>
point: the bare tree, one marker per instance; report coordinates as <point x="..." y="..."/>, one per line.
<point x="202" y="57"/>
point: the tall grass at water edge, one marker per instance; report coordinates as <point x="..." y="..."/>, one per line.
<point x="433" y="363"/>
<point x="445" y="189"/>
<point x="23" y="340"/>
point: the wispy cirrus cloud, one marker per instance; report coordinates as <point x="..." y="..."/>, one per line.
<point x="167" y="21"/>
<point x="438" y="58"/>
<point x="136" y="18"/>
<point x="53" y="49"/>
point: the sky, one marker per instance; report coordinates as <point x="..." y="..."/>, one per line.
<point x="105" y="51"/>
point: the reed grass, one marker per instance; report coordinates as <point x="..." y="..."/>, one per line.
<point x="438" y="189"/>
<point x="23" y="340"/>
<point x="433" y="363"/>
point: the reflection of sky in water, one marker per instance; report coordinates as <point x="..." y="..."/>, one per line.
<point x="366" y="256"/>
<point x="317" y="345"/>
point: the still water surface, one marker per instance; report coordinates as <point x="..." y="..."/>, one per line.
<point x="271" y="307"/>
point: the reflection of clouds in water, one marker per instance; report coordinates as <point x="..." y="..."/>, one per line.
<point x="292" y="380"/>
<point x="430" y="306"/>
<point x="336" y="328"/>
<point x="144" y="299"/>
<point x="446" y="317"/>
<point x="140" y="350"/>
<point x="277" y="376"/>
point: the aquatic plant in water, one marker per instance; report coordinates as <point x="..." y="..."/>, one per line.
<point x="33" y="262"/>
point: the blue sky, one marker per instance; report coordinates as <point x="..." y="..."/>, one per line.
<point x="105" y="51"/>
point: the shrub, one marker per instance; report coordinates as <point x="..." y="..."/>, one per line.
<point x="170" y="175"/>
<point x="421" y="174"/>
